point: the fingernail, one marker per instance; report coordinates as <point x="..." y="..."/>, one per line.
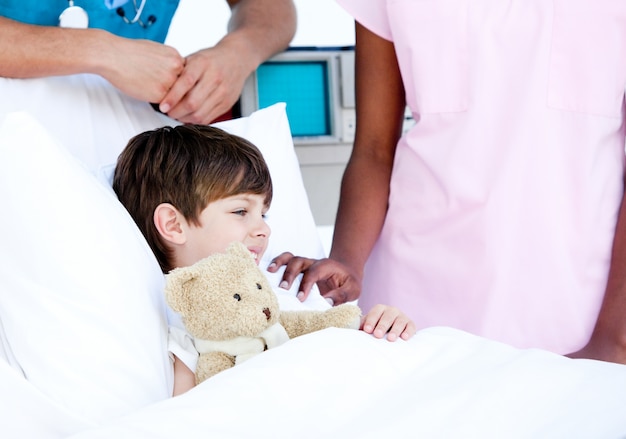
<point x="164" y="108"/>
<point x="284" y="285"/>
<point x="300" y="295"/>
<point x="330" y="301"/>
<point x="272" y="265"/>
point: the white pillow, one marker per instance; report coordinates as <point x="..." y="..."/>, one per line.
<point x="81" y="306"/>
<point x="81" y="299"/>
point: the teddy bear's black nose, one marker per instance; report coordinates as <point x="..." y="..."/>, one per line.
<point x="267" y="313"/>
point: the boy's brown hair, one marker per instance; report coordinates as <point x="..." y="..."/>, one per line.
<point x="188" y="166"/>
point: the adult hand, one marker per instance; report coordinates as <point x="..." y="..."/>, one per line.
<point x="209" y="85"/>
<point x="335" y="281"/>
<point x="142" y="69"/>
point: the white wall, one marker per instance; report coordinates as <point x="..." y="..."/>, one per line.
<point x="198" y="24"/>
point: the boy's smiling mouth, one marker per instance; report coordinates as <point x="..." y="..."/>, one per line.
<point x="255" y="256"/>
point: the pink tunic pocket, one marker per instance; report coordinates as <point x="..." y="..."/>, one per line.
<point x="588" y="57"/>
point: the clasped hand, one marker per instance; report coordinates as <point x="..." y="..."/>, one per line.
<point x="195" y="89"/>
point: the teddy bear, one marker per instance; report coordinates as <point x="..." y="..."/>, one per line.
<point x="232" y="313"/>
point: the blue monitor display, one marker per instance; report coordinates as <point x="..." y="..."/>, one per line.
<point x="303" y="85"/>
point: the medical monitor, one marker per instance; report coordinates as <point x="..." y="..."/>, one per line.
<point x="317" y="84"/>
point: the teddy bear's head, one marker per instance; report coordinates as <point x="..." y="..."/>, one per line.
<point x="223" y="296"/>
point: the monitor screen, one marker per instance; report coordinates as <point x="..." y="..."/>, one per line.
<point x="303" y="85"/>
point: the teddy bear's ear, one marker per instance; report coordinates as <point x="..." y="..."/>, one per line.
<point x="177" y="283"/>
<point x="237" y="248"/>
<point x="240" y="255"/>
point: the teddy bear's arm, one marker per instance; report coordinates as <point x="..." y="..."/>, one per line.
<point x="303" y="322"/>
<point x="212" y="363"/>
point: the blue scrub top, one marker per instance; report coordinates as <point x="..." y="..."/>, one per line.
<point x="46" y="12"/>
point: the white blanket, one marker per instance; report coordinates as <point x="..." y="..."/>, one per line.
<point x="341" y="383"/>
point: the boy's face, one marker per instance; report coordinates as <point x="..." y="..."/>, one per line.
<point x="237" y="218"/>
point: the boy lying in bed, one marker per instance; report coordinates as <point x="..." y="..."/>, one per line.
<point x="194" y="189"/>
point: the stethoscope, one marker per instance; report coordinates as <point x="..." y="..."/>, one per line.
<point x="76" y="17"/>
<point x="137" y="18"/>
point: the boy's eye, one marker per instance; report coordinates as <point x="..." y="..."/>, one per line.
<point x="241" y="212"/>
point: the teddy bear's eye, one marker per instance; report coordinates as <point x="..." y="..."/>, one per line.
<point x="258" y="286"/>
<point x="237" y="297"/>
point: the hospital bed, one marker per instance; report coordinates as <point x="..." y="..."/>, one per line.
<point x="83" y="326"/>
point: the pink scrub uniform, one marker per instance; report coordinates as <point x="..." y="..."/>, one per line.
<point x="505" y="194"/>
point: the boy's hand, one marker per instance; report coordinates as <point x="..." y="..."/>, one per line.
<point x="388" y="320"/>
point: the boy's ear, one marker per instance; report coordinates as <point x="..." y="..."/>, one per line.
<point x="168" y="222"/>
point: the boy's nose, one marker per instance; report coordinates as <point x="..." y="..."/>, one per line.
<point x="262" y="229"/>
